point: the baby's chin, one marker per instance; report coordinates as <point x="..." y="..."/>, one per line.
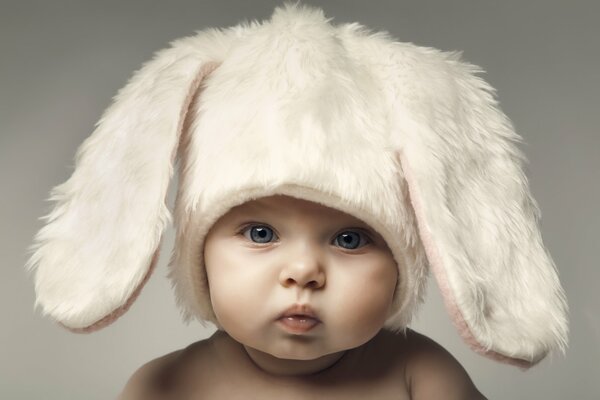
<point x="309" y="348"/>
<point x="302" y="356"/>
<point x="304" y="352"/>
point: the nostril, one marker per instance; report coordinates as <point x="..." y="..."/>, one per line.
<point x="311" y="284"/>
<point x="289" y="281"/>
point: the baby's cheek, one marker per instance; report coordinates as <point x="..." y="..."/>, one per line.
<point x="368" y="311"/>
<point x="366" y="305"/>
<point x="237" y="300"/>
<point x="225" y="298"/>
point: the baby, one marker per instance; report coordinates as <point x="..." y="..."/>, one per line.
<point x="301" y="292"/>
<point x="323" y="172"/>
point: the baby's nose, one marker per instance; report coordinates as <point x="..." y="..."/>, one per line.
<point x="304" y="268"/>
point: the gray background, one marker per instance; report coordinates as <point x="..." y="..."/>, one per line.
<point x="61" y="62"/>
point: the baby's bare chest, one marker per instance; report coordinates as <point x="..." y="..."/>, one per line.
<point x="234" y="389"/>
<point x="231" y="385"/>
<point x="378" y="375"/>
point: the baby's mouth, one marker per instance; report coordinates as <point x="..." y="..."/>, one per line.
<point x="298" y="323"/>
<point x="299" y="318"/>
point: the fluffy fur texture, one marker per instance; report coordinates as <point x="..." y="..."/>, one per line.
<point x="407" y="138"/>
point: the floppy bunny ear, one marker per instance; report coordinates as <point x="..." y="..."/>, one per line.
<point x="476" y="217"/>
<point x="102" y="237"/>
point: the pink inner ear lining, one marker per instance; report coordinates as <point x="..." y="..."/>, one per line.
<point x="110" y="318"/>
<point x="442" y="279"/>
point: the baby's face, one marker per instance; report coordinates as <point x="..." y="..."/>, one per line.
<point x="276" y="252"/>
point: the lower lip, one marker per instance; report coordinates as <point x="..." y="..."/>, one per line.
<point x="298" y="324"/>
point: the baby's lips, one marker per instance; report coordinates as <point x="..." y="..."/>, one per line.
<point x="300" y="310"/>
<point x="298" y="324"/>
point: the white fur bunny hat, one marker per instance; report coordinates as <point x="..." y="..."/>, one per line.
<point x="406" y="138"/>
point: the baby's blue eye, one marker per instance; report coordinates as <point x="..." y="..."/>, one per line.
<point x="350" y="240"/>
<point x="259" y="233"/>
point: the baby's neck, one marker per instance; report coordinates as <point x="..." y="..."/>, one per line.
<point x="284" y="367"/>
<point x="262" y="365"/>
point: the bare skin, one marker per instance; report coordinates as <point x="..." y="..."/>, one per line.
<point x="390" y="366"/>
<point x="269" y="254"/>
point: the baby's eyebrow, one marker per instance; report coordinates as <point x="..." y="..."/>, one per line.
<point x="251" y="212"/>
<point x="262" y="208"/>
<point x="255" y="208"/>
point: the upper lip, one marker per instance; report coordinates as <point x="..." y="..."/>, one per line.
<point x="303" y="310"/>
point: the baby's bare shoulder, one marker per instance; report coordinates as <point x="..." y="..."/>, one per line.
<point x="433" y="373"/>
<point x="146" y="382"/>
<point x="163" y="377"/>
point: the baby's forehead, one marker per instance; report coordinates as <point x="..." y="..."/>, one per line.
<point x="291" y="207"/>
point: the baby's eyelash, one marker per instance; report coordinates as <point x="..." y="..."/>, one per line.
<point x="363" y="236"/>
<point x="247" y="228"/>
<point x="365" y="233"/>
<point x="362" y="233"/>
<point x="248" y="225"/>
